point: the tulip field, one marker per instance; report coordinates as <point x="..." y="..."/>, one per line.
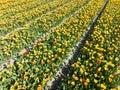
<point x="38" y="36"/>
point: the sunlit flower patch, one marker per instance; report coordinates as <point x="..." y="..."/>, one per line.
<point x="23" y="22"/>
<point x="12" y="22"/>
<point x="23" y="38"/>
<point x="98" y="64"/>
<point x="36" y="66"/>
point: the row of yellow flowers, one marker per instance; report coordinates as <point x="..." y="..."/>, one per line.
<point x="19" y="19"/>
<point x="7" y="3"/>
<point x="12" y="37"/>
<point x="19" y="7"/>
<point x="36" y="67"/>
<point x="19" y="40"/>
<point x="98" y="66"/>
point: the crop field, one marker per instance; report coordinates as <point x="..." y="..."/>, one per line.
<point x="59" y="44"/>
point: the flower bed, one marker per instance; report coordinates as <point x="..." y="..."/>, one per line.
<point x="19" y="40"/>
<point x="35" y="68"/>
<point x="19" y="19"/>
<point x="97" y="66"/>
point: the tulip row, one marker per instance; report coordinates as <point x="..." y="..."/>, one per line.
<point x="7" y="9"/>
<point x="8" y="3"/>
<point x="50" y="6"/>
<point x="18" y="20"/>
<point x="98" y="65"/>
<point x="19" y="40"/>
<point x="8" y="12"/>
<point x="13" y="34"/>
<point x="36" y="67"/>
